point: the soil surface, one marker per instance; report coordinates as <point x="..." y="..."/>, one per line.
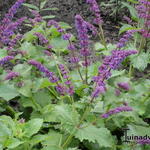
<point x="67" y="11"/>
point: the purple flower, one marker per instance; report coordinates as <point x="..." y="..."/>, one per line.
<point x="65" y="75"/>
<point x="116" y="110"/>
<point x="8" y="31"/>
<point x="74" y="59"/>
<point x="61" y="89"/>
<point x="40" y="67"/>
<point x="143" y="9"/>
<point x="124" y="85"/>
<point x="66" y="36"/>
<point x="117" y="57"/>
<point x="56" y="25"/>
<point x="90" y="27"/>
<point x="143" y="141"/>
<point x="126" y="18"/>
<point x="82" y="30"/>
<point x="98" y="90"/>
<point x="50" y="47"/>
<point x="48" y="53"/>
<point x="125" y="38"/>
<point x="11" y="75"/>
<point x="85" y="52"/>
<point x="95" y="9"/>
<point x="110" y="62"/>
<point x="117" y="92"/>
<point x="14" y="41"/>
<point x="6" y="59"/>
<point x="37" y="17"/>
<point x="12" y="11"/>
<point x="71" y="47"/>
<point x="42" y="39"/>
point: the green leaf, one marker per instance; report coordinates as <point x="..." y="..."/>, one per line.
<point x="25" y="90"/>
<point x="29" y="36"/>
<point x="31" y="6"/>
<point x="52" y="148"/>
<point x="133" y="1"/>
<point x="54" y="8"/>
<point x="32" y="127"/>
<point x="13" y="143"/>
<point x="8" y="92"/>
<point x="73" y="148"/>
<point x="23" y="69"/>
<point x="3" y="53"/>
<point x="140" y="61"/>
<point x="43" y="4"/>
<point x="42" y="98"/>
<point x="93" y="134"/>
<point x="125" y="28"/>
<point x="132" y="10"/>
<point x="58" y="43"/>
<point x="99" y="46"/>
<point x="68" y="116"/>
<point x="48" y="17"/>
<point x="54" y="139"/>
<point x="29" y="48"/>
<point x="39" y="138"/>
<point x="116" y="73"/>
<point x="65" y="25"/>
<point x="138" y="130"/>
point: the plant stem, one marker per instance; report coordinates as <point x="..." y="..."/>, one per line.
<point x="86" y="70"/>
<point x="142" y="44"/>
<point x="102" y="37"/>
<point x="68" y="139"/>
<point x="80" y="122"/>
<point x="53" y="93"/>
<point x="35" y="104"/>
<point x="130" y="70"/>
<point x="80" y="73"/>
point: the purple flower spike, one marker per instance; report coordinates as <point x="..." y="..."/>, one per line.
<point x="124" y="85"/>
<point x="71" y="47"/>
<point x="126" y="18"/>
<point x="82" y="30"/>
<point x="117" y="92"/>
<point x="56" y="25"/>
<point x="117" y="57"/>
<point x="12" y="11"/>
<point x="74" y="60"/>
<point x="122" y="42"/>
<point x="61" y="89"/>
<point x="6" y="59"/>
<point x="40" y="67"/>
<point x="65" y="75"/>
<point x="49" y="46"/>
<point x="143" y="141"/>
<point x="110" y="62"/>
<point x="37" y="17"/>
<point x="98" y="90"/>
<point x="48" y="53"/>
<point x="42" y="39"/>
<point x="95" y="9"/>
<point x="116" y="111"/>
<point x="66" y="36"/>
<point x="143" y="9"/>
<point x="11" y="75"/>
<point x="14" y="41"/>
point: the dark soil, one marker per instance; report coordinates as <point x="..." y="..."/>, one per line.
<point x="67" y="10"/>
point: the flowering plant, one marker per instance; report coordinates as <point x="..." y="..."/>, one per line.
<point x="52" y="102"/>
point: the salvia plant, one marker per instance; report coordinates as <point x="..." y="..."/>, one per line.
<point x="57" y="94"/>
